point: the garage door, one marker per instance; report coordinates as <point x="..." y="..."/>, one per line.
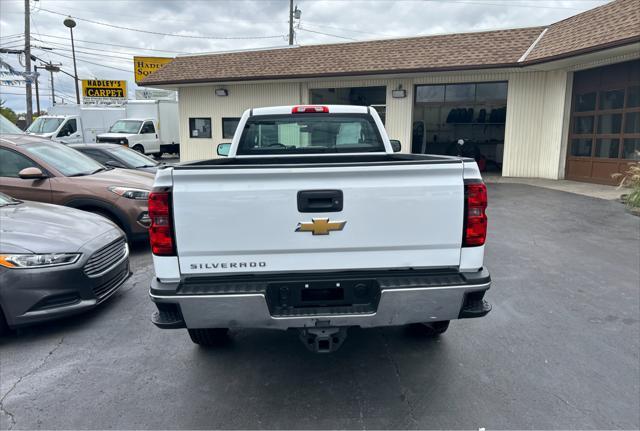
<point x="605" y="122"/>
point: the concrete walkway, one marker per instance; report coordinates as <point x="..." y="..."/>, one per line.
<point x="587" y="189"/>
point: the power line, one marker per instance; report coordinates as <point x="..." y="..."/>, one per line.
<point x="510" y="3"/>
<point x="99" y="54"/>
<point x="165" y="34"/>
<point x="345" y="29"/>
<point x="326" y="34"/>
<point x="63" y="45"/>
<point x="95" y="64"/>
<point x="112" y="44"/>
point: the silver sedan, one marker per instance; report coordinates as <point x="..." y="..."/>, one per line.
<point x="56" y="261"/>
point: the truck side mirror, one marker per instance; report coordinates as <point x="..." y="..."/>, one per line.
<point x="31" y="173"/>
<point x="223" y="149"/>
<point x="395" y="145"/>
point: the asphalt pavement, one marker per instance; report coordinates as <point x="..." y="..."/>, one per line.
<point x="561" y="348"/>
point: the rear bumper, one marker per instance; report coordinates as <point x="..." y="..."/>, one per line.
<point x="405" y="297"/>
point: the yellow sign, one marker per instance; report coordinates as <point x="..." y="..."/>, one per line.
<point x="320" y="226"/>
<point x="99" y="89"/>
<point x="143" y="66"/>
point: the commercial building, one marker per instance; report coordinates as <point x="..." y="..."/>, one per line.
<point x="556" y="101"/>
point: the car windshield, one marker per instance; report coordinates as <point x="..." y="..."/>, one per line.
<point x="8" y="200"/>
<point x="69" y="162"/>
<point x="45" y="125"/>
<point x="7" y="127"/>
<point x="132" y="158"/>
<point x="309" y="134"/>
<point x="125" y="126"/>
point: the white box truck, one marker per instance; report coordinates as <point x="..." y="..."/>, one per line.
<point x="150" y="127"/>
<point x="72" y="124"/>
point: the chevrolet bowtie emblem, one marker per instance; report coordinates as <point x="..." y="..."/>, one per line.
<point x="320" y="226"/>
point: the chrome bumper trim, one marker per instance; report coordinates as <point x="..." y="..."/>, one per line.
<point x="396" y="307"/>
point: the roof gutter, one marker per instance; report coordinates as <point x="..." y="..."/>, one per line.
<point x="330" y="75"/>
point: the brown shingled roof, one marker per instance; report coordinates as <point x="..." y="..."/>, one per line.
<point x="606" y="25"/>
<point x="611" y="23"/>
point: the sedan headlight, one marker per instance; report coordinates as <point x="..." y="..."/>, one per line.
<point x="38" y="260"/>
<point x="130" y="192"/>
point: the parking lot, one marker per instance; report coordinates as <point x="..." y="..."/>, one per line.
<point x="559" y="350"/>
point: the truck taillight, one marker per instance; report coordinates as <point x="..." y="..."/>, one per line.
<point x="161" y="230"/>
<point x="309" y="109"/>
<point x="475" y="222"/>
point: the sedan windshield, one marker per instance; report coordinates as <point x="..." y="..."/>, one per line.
<point x="69" y="162"/>
<point x="8" y="127"/>
<point x="125" y="126"/>
<point x="8" y="200"/>
<point x="133" y="158"/>
<point x="45" y="125"/>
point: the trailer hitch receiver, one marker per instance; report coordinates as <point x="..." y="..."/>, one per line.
<point x="323" y="339"/>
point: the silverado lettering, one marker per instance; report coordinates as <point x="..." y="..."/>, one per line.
<point x="227" y="265"/>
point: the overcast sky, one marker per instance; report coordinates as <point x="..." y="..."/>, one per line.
<point x="244" y="24"/>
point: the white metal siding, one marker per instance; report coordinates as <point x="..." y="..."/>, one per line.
<point x="536" y="104"/>
<point x="201" y="101"/>
<point x="535" y="133"/>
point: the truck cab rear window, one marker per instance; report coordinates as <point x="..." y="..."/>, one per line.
<point x="309" y="134"/>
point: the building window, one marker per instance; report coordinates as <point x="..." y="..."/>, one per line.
<point x="361" y="96"/>
<point x="200" y="127"/>
<point x="473" y="112"/>
<point x="605" y="122"/>
<point x="229" y="126"/>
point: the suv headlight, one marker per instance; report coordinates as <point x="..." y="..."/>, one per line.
<point x="37" y="260"/>
<point x="130" y="192"/>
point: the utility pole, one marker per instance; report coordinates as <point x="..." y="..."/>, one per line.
<point x="290" y="21"/>
<point x="27" y="61"/>
<point x="50" y="67"/>
<point x="293" y="14"/>
<point x="35" y="72"/>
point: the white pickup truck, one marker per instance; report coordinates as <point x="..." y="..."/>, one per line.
<point x="313" y="222"/>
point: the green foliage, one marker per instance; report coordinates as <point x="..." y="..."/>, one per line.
<point x="631" y="179"/>
<point x="8" y="113"/>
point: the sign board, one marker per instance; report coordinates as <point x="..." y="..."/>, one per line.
<point x="101" y="91"/>
<point x="155" y="94"/>
<point x="143" y="66"/>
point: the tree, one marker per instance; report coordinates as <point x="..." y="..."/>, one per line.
<point x="8" y="113"/>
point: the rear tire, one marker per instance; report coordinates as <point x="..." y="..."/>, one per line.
<point x="209" y="337"/>
<point x="139" y="148"/>
<point x="431" y="329"/>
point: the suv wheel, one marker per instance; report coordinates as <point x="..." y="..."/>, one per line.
<point x="431" y="329"/>
<point x="139" y="148"/>
<point x="209" y="337"/>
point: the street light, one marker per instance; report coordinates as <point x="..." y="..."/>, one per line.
<point x="69" y="22"/>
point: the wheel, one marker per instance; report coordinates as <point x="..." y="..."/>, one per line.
<point x="431" y="329"/>
<point x="209" y="336"/>
<point x="158" y="156"/>
<point x="139" y="148"/>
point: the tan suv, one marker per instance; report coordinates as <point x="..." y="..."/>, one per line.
<point x="36" y="169"/>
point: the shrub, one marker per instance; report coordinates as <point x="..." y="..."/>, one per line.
<point x="631" y="178"/>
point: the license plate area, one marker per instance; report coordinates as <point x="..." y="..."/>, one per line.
<point x="323" y="295"/>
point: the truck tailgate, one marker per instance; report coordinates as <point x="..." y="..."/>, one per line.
<point x="238" y="219"/>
